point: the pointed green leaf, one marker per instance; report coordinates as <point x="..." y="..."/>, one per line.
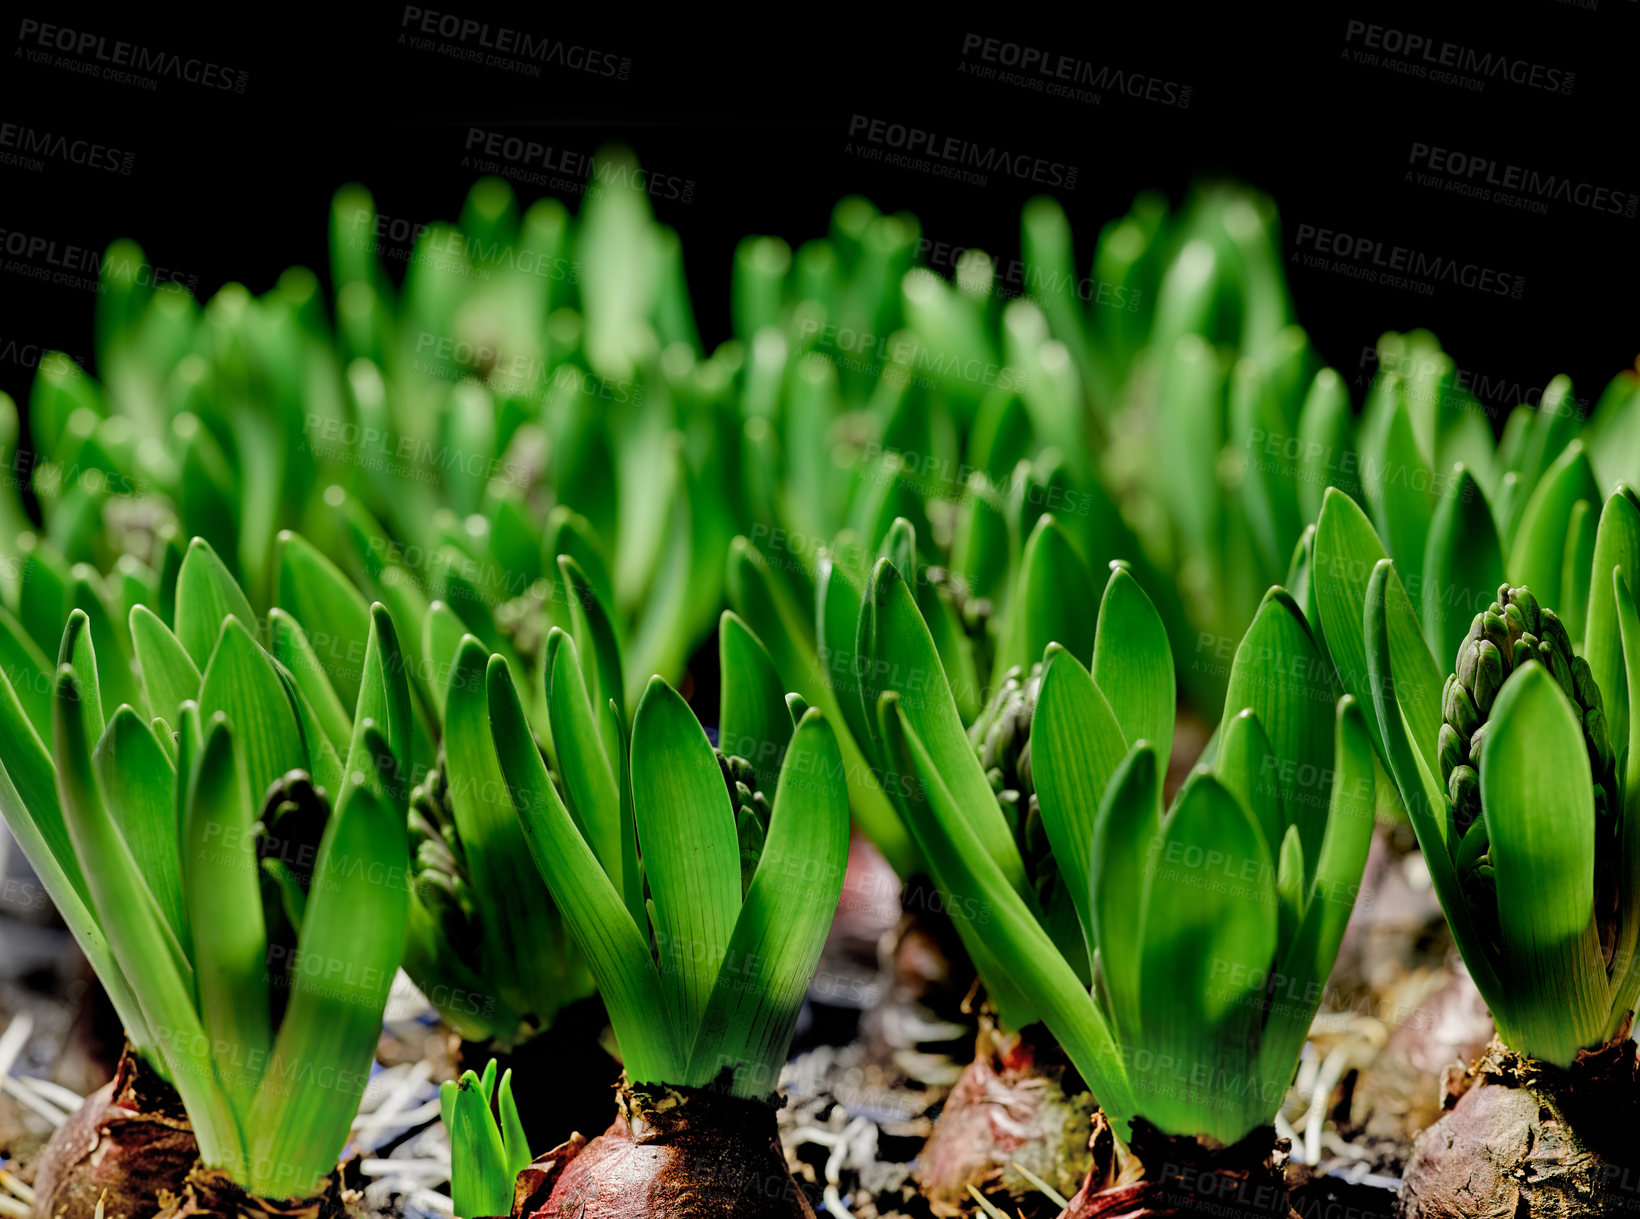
<point x="686" y="832"/>
<point x="590" y="790"/>
<point x="1208" y="942"/>
<point x="1346" y="555"/>
<point x="479" y="1181"/>
<point x="782" y="925"/>
<point x="898" y="655"/>
<point x="1576" y="565"/>
<point x="131" y="762"/>
<point x="1126" y="837"/>
<point x="291" y="648"/>
<point x="230" y="948"/>
<point x="519" y="913"/>
<point x="1076" y="746"/>
<point x="1022" y="947"/>
<point x="753" y="722"/>
<point x="1052" y="599"/>
<point x="169" y="674"/>
<point x="1537" y="558"/>
<point x="614" y="946"/>
<point x="336" y="615"/>
<point x="1282" y="676"/>
<point x="1133" y="663"/>
<point x="1537" y="795"/>
<point x="28" y="670"/>
<point x="354" y="924"/>
<point x="78" y="649"/>
<point x="140" y="944"/>
<point x="1310" y="952"/>
<point x="1463" y="566"/>
<point x="1246" y="765"/>
<point x="1616" y="548"/>
<point x="206" y="594"/>
<point x="241" y="683"/>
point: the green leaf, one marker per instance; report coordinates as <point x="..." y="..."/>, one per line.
<point x="28" y="670"/>
<point x="897" y="654"/>
<point x="1209" y="937"/>
<point x="1626" y="981"/>
<point x="317" y="594"/>
<point x="206" y="594"/>
<point x="1537" y="796"/>
<point x="1076" y="746"/>
<point x="753" y="722"/>
<point x="1051" y="601"/>
<point x="42" y="594"/>
<point x="1346" y="555"/>
<point x="590" y="789"/>
<point x="1576" y="565"/>
<point x="1133" y="663"/>
<point x="512" y="1134"/>
<point x="169" y="674"/>
<point x="1290" y="889"/>
<point x="1425" y="803"/>
<point x="1463" y="566"/>
<point x="837" y="617"/>
<point x="691" y="854"/>
<point x="1537" y="558"/>
<point x="230" y="948"/>
<point x="595" y="637"/>
<point x="1246" y="765"/>
<point x="384" y="700"/>
<point x="1282" y="676"/>
<point x="479" y="1181"/>
<point x="783" y="922"/>
<point x="442" y="634"/>
<point x="823" y="674"/>
<point x="142" y="947"/>
<point x="131" y="762"/>
<point x="242" y="684"/>
<point x="116" y="681"/>
<point x="78" y="650"/>
<point x="354" y="925"/>
<point x="615" y="948"/>
<point x="30" y="807"/>
<point x="519" y="916"/>
<point x="1126" y="834"/>
<point x="1325" y="430"/>
<point x="1311" y="952"/>
<point x="1022" y="947"/>
<point x="290" y="647"/>
<point x="1398" y="489"/>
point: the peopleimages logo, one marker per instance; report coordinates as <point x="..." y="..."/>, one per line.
<point x="83" y="51"/>
<point x="1432" y="55"/>
<point x="502" y="46"/>
<point x="32" y="148"/>
<point x="955" y="154"/>
<point x="1375" y="261"/>
<point x="1060" y="75"/>
<point x="1494" y="181"/>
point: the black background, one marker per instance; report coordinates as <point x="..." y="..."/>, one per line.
<point x="755" y="110"/>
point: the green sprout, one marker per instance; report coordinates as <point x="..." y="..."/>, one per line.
<point x="1516" y="769"/>
<point x="229" y="857"/>
<point x="702" y="972"/>
<point x="1178" y="920"/>
<point x="488" y="1148"/>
